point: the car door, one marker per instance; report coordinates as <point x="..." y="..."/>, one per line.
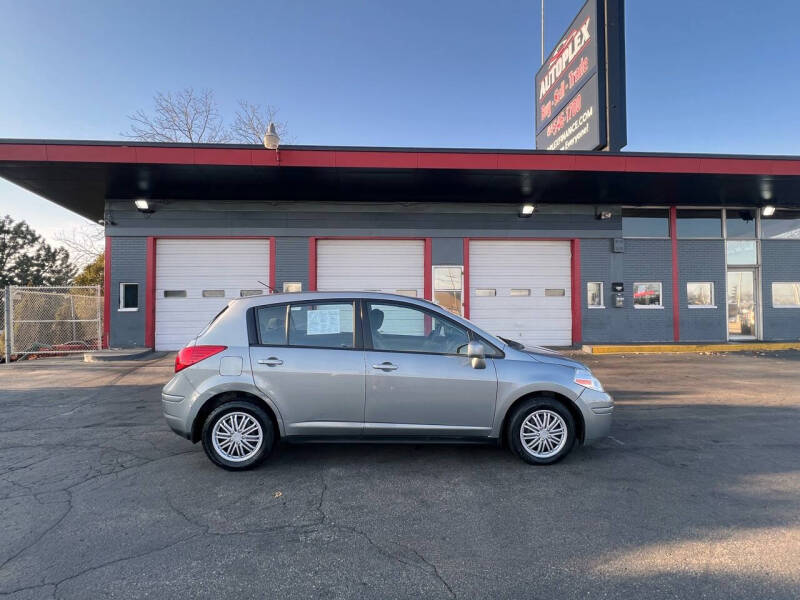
<point x="419" y="379"/>
<point x="309" y="360"/>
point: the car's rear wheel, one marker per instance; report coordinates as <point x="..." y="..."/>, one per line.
<point x="541" y="431"/>
<point x="238" y="435"/>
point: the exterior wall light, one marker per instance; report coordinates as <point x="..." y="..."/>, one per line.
<point x="768" y="211"/>
<point x="526" y="210"/>
<point x="271" y="139"/>
<point x="142" y="206"/>
<point x="603" y="215"/>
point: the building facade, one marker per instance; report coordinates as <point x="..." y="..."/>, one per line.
<point x="618" y="248"/>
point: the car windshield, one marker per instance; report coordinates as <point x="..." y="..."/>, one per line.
<point x="514" y="344"/>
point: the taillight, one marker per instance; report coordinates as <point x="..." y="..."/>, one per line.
<point x="194" y="354"/>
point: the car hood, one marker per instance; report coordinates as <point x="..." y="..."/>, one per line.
<point x="552" y="357"/>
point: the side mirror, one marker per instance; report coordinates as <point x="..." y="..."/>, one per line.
<point x="477" y="355"/>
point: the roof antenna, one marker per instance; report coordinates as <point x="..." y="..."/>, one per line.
<point x="269" y="287"/>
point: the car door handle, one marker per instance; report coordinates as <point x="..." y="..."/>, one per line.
<point x="385" y="366"/>
<point x="272" y="361"/>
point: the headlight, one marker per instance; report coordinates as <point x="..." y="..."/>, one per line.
<point x="586" y="379"/>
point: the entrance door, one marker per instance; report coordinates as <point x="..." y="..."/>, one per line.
<point x="742" y="304"/>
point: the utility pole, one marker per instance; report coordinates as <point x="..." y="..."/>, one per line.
<point x="9" y="324"/>
<point x="542" y="23"/>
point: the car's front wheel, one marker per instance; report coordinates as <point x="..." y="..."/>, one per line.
<point x="238" y="435"/>
<point x="541" y="431"/>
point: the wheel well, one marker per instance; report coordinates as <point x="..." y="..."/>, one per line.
<point x="219" y="399"/>
<point x="568" y="404"/>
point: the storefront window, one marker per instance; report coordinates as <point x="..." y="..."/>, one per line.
<point x="594" y="294"/>
<point x="783" y="225"/>
<point x="700" y="294"/>
<point x="647" y="295"/>
<point x="741" y="252"/>
<point x="740" y="224"/>
<point x="786" y="294"/>
<point x="699" y="224"/>
<point x="645" y="223"/>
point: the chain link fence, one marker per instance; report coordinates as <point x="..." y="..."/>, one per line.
<point x="51" y="320"/>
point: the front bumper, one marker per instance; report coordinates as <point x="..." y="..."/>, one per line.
<point x="598" y="410"/>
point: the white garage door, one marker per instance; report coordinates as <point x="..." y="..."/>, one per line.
<point x="196" y="278"/>
<point x="522" y="290"/>
<point x="392" y="266"/>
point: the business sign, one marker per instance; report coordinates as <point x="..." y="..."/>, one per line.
<point x="571" y="86"/>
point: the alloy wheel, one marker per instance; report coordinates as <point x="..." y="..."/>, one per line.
<point x="237" y="436"/>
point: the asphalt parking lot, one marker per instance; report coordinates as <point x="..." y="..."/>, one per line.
<point x="695" y="495"/>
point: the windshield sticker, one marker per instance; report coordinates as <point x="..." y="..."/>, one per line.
<point x="324" y="321"/>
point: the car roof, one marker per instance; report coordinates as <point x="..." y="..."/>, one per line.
<point x="278" y="298"/>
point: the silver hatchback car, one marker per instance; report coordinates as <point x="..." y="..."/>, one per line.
<point x="360" y="366"/>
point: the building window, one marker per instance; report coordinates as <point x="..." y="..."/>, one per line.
<point x="645" y="223"/>
<point x="594" y="294"/>
<point x="292" y="286"/>
<point x="699" y="224"/>
<point x="741" y="252"/>
<point x="248" y="293"/>
<point x="448" y="287"/>
<point x="213" y="293"/>
<point x="700" y="294"/>
<point x="740" y="224"/>
<point x="174" y="293"/>
<point x="520" y="292"/>
<point x="647" y="295"/>
<point x="786" y="294"/>
<point x="783" y="225"/>
<point x="484" y="292"/>
<point x="409" y="293"/>
<point x="550" y="292"/>
<point x="129" y="296"/>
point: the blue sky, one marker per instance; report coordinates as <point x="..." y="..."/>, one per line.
<point x="711" y="76"/>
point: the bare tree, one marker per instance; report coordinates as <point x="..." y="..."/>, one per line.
<point x="185" y="116"/>
<point x="84" y="243"/>
<point x="251" y="122"/>
<point x="195" y="117"/>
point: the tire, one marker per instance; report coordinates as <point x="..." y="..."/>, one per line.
<point x="537" y="415"/>
<point x="237" y="453"/>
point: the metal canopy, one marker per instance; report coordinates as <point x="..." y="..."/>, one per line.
<point x="80" y="176"/>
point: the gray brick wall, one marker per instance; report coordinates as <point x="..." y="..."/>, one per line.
<point x="780" y="261"/>
<point x="291" y="261"/>
<point x="320" y="218"/>
<point x="642" y="261"/>
<point x="128" y="265"/>
<point x="702" y="260"/>
<point x="447" y="251"/>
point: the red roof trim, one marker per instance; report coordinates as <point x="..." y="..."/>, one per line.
<point x="394" y="159"/>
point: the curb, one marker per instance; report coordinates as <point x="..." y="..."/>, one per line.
<point x="679" y="348"/>
<point x="111" y="355"/>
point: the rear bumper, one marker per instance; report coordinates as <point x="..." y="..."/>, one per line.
<point x="175" y="409"/>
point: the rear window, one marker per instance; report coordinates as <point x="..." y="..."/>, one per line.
<point x="271" y="322"/>
<point x="214" y="320"/>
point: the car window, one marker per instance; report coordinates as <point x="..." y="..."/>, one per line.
<point x="271" y="322"/>
<point x="404" y="328"/>
<point x="328" y="325"/>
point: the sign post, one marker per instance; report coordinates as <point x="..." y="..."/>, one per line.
<point x="580" y="88"/>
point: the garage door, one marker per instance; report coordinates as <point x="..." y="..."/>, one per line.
<point x="393" y="266"/>
<point x="522" y="290"/>
<point x="196" y="278"/>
